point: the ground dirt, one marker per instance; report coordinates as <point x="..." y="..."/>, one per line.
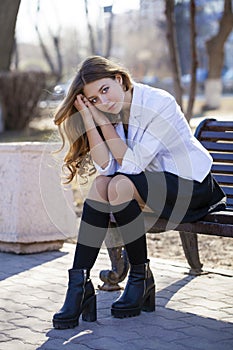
<point x="215" y="252"/>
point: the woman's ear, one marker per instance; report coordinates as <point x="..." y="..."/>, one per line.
<point x="119" y="79"/>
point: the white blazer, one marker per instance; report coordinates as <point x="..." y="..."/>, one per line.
<point x="159" y="139"/>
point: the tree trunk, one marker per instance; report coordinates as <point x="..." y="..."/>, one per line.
<point x="109" y="33"/>
<point x="57" y="46"/>
<point x="215" y="51"/>
<point x="56" y="69"/>
<point x="172" y="44"/>
<point x="45" y="51"/>
<point x="8" y="15"/>
<point x="91" y="35"/>
<point x="192" y="91"/>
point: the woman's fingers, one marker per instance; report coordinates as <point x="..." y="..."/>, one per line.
<point x="79" y="103"/>
<point x="83" y="109"/>
<point x="87" y="102"/>
<point x="88" y="111"/>
<point x="92" y="108"/>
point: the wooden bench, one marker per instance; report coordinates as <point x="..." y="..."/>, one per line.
<point x="217" y="138"/>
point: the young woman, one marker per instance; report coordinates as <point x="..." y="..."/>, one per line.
<point x="138" y="140"/>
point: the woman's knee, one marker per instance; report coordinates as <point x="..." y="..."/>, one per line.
<point x="99" y="189"/>
<point x="120" y="190"/>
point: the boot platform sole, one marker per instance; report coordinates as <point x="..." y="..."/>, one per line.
<point x="65" y="324"/>
<point x="88" y="314"/>
<point x="148" y="305"/>
<point x="118" y="313"/>
<point x="71" y="323"/>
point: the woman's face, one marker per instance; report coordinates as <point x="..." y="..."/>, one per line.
<point x="106" y="94"/>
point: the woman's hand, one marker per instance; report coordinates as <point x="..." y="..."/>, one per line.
<point x="98" y="148"/>
<point x="81" y="105"/>
<point x="99" y="117"/>
<point x="89" y="112"/>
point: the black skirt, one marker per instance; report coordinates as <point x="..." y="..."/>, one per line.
<point x="176" y="199"/>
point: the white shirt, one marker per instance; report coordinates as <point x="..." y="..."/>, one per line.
<point x="159" y="139"/>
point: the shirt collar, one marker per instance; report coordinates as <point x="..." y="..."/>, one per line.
<point x="136" y="104"/>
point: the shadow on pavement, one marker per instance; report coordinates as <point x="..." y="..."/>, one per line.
<point x="164" y="329"/>
<point x="12" y="264"/>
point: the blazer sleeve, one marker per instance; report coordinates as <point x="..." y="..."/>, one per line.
<point x="110" y="169"/>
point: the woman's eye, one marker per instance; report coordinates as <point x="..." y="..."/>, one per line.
<point x="94" y="100"/>
<point x="105" y="90"/>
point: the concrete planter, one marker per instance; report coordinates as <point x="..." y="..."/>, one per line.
<point x="36" y="210"/>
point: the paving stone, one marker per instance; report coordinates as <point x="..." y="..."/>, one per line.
<point x="209" y="323"/>
<point x="16" y="344"/>
<point x="55" y="344"/>
<point x="4" y="338"/>
<point x="193" y="313"/>
<point x="199" y="343"/>
<point x="25" y="335"/>
<point x="33" y="323"/>
<point x="225" y="345"/>
<point x="207" y="333"/>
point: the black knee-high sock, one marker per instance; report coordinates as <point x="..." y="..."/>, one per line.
<point x="92" y="231"/>
<point x="130" y="221"/>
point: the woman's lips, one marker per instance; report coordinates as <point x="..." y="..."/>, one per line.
<point x="111" y="107"/>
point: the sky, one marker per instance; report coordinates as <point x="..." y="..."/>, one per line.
<point x="61" y="13"/>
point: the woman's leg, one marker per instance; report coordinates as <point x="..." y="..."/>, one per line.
<point x="139" y="293"/>
<point x="94" y="224"/>
<point x="126" y="206"/>
<point x="80" y="296"/>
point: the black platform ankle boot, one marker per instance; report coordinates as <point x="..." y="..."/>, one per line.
<point x="80" y="299"/>
<point x="139" y="293"/>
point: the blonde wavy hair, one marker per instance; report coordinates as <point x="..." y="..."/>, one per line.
<point x="69" y="121"/>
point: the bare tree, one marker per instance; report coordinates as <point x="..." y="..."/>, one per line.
<point x="192" y="91"/>
<point x="109" y="30"/>
<point x="15" y="55"/>
<point x="215" y="51"/>
<point x="56" y="68"/>
<point x="172" y="44"/>
<point x="8" y="15"/>
<point x="90" y="30"/>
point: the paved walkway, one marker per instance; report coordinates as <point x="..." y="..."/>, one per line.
<point x="192" y="312"/>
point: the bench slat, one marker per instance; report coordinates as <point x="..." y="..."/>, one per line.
<point x="202" y="227"/>
<point x="222" y="157"/>
<point x="216" y="135"/>
<point x="230" y="203"/>
<point x="224" y="179"/>
<point x="223" y="217"/>
<point x="219" y="125"/>
<point x="228" y="190"/>
<point x="222" y="169"/>
<point x="218" y="146"/>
